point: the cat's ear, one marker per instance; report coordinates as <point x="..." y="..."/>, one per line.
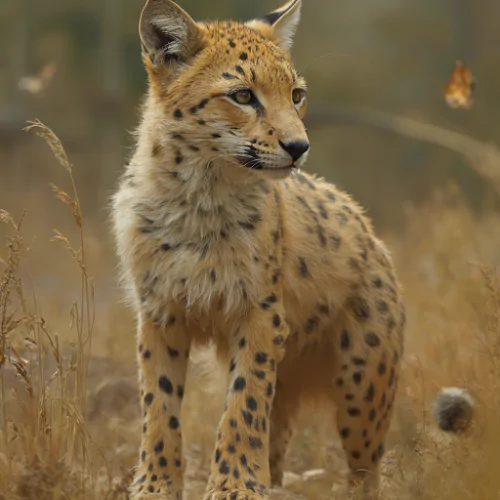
<point x="281" y="24"/>
<point x="168" y="34"/>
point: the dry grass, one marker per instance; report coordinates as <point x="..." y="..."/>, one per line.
<point x="69" y="412"/>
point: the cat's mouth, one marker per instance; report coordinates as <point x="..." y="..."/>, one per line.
<point x="252" y="161"/>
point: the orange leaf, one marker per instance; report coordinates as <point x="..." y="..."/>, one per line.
<point x="460" y="87"/>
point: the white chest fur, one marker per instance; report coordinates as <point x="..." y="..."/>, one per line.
<point x="192" y="241"/>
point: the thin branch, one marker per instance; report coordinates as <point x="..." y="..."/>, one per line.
<point x="483" y="157"/>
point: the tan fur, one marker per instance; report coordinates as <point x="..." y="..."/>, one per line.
<point x="279" y="269"/>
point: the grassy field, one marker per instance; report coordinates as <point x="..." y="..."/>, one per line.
<point x="69" y="426"/>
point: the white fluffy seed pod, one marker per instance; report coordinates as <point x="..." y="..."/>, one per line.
<point x="453" y="409"/>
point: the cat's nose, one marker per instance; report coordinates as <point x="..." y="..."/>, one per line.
<point x="295" y="148"/>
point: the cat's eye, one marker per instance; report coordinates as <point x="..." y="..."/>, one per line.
<point x="298" y="96"/>
<point x="243" y="97"/>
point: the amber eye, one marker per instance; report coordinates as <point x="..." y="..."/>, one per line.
<point x="243" y="97"/>
<point x="298" y="95"/>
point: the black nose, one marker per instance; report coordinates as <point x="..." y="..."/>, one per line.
<point x="295" y="148"/>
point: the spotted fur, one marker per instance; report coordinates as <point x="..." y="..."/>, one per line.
<point x="222" y="238"/>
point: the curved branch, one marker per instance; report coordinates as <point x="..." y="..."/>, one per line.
<point x="483" y="157"/>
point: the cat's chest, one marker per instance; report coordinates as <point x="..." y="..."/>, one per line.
<point x="204" y="260"/>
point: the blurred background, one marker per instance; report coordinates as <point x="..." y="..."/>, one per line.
<point x="428" y="175"/>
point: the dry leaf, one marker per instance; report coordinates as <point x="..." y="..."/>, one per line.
<point x="460" y="87"/>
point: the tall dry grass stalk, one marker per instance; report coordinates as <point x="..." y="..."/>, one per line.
<point x="52" y="438"/>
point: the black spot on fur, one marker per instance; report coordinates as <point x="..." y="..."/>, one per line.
<point x="173" y="353"/>
<point x="345" y="432"/>
<point x="239" y="384"/>
<point x="278" y="340"/>
<point x="270" y="389"/>
<point x="255" y="442"/>
<point x="251" y="403"/>
<point x="260" y="357"/>
<point x="165" y="384"/>
<point x="276" y="320"/>
<point x="358" y="361"/>
<point x="382" y="368"/>
<point x="372" y="339"/>
<point x="247" y="417"/>
<point x="370" y="393"/>
<point x="260" y="374"/>
<point x="303" y="269"/>
<point x="224" y="467"/>
<point x="159" y="446"/>
<point x="203" y="103"/>
<point x="266" y="303"/>
<point x="173" y="423"/>
<point x="345" y="340"/>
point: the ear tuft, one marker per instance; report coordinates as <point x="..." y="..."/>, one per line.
<point x="284" y="22"/>
<point x="168" y="34"/>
